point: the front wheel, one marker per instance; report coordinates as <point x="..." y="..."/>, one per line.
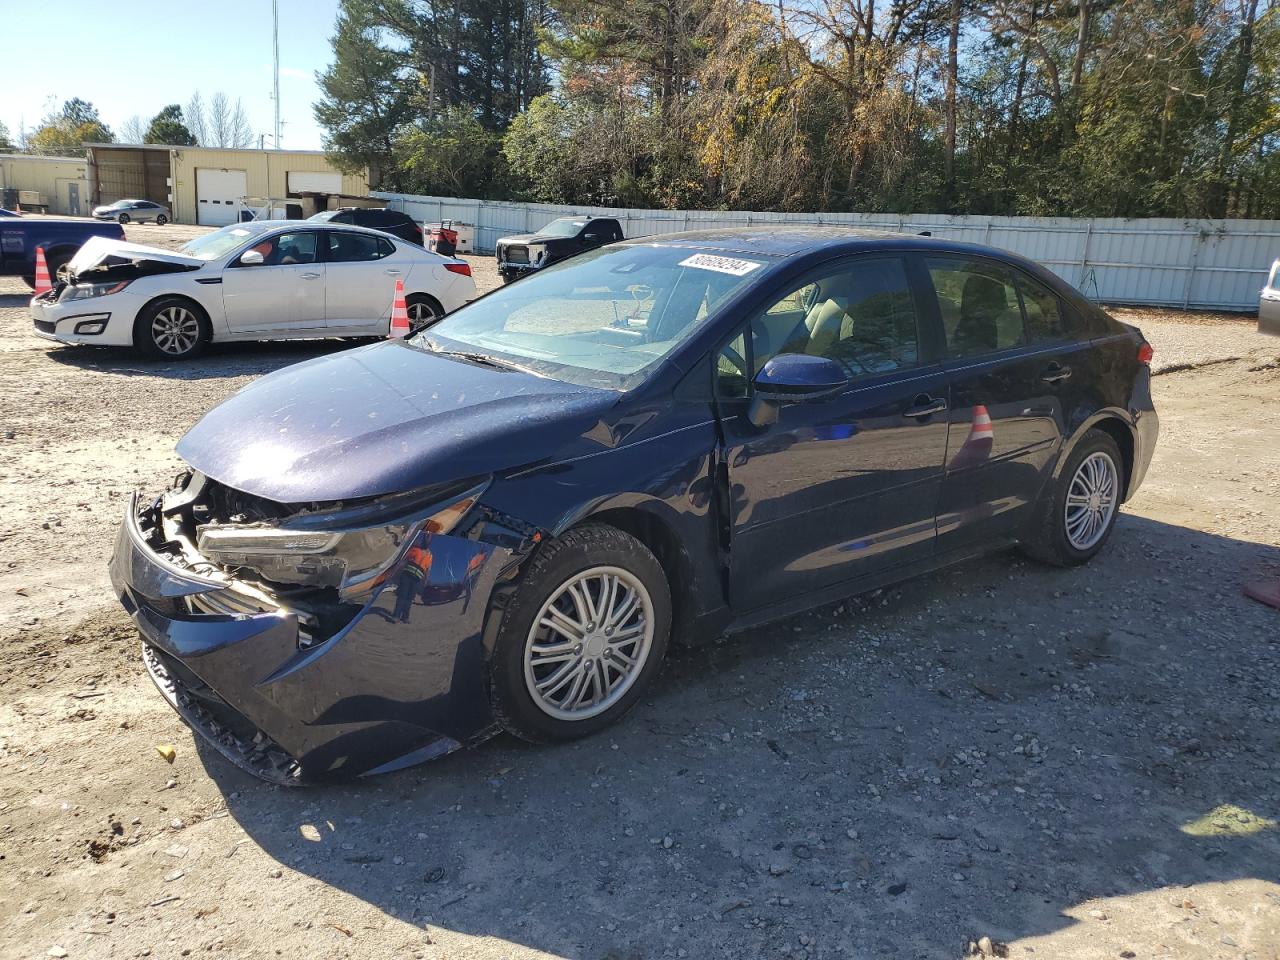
<point x="171" y="328"/>
<point x="124" y="218"/>
<point x="584" y="635"/>
<point x="161" y="220"/>
<point x="1074" y="522"/>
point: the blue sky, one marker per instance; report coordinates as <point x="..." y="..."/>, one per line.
<point x="181" y="47"/>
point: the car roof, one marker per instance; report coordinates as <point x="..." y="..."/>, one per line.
<point x="779" y="241"/>
<point x="309" y="224"/>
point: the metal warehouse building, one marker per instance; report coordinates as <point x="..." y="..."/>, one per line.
<point x="63" y="183"/>
<point x="205" y="184"/>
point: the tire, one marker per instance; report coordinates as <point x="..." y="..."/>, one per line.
<point x="56" y="262"/>
<point x="123" y="218"/>
<point x="184" y="321"/>
<point x="1060" y="533"/>
<point x="593" y="553"/>
<point x="423" y="310"/>
<point x="161" y="220"/>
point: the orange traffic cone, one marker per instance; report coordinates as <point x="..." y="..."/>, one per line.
<point x="977" y="446"/>
<point x="43" y="285"/>
<point x="399" y="314"/>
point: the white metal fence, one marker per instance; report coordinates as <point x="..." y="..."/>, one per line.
<point x="1212" y="264"/>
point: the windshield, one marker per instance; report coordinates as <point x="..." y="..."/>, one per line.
<point x="567" y="227"/>
<point x="601" y="318"/>
<point x="219" y="243"/>
<point x="120" y="203"/>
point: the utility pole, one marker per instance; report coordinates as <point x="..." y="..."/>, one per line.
<point x="275" y="50"/>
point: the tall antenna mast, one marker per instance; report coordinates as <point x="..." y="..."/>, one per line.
<point x="275" y="50"/>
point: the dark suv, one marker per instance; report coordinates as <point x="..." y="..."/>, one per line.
<point x="375" y="218"/>
<point x="556" y="241"/>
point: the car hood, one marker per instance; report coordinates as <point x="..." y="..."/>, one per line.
<point x="527" y="238"/>
<point x="383" y="419"/>
<point x="99" y="253"/>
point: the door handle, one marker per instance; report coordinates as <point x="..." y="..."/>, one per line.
<point x="925" y="406"/>
<point x="1056" y="372"/>
<point x="310" y="276"/>
<point x="391" y="272"/>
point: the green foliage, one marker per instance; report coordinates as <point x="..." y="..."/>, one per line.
<point x="167" y="127"/>
<point x="66" y="131"/>
<point x="6" y="145"/>
<point x="1052" y="107"/>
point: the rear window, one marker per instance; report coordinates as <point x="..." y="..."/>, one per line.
<point x="1043" y="311"/>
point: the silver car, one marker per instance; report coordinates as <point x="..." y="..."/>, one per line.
<point x="1269" y="303"/>
<point x="133" y="211"/>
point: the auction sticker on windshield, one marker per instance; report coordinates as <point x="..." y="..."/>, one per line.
<point x="707" y="261"/>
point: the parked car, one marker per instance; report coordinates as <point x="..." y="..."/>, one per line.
<point x="558" y="240"/>
<point x="262" y="280"/>
<point x="1269" y="303"/>
<point x="60" y="238"/>
<point x="382" y="554"/>
<point x="133" y="211"/>
<point x="375" y="218"/>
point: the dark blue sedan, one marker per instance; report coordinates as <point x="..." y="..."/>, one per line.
<point x="503" y="522"/>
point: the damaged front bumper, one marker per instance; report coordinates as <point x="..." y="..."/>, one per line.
<point x="400" y="683"/>
<point x="80" y="321"/>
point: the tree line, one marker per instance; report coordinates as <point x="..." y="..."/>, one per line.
<point x="1038" y="107"/>
<point x="65" y="130"/>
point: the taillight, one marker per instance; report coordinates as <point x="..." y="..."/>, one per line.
<point x="1145" y="353"/>
<point x="463" y="269"/>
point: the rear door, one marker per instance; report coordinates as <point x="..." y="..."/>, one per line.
<point x="284" y="293"/>
<point x="362" y="269"/>
<point x="1007" y="380"/>
<point x="846" y="486"/>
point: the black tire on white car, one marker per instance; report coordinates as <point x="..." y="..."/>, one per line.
<point x="172" y="328"/>
<point x="123" y="218"/>
<point x="161" y="220"/>
<point x="424" y="310"/>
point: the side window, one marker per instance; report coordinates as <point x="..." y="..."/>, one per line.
<point x="859" y="313"/>
<point x="385" y="247"/>
<point x="355" y="247"/>
<point x="288" y="249"/>
<point x="1044" y="312"/>
<point x="979" y="305"/>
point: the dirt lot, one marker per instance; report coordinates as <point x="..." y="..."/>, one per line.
<point x="1072" y="763"/>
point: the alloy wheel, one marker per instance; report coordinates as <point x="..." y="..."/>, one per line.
<point x="589" y="643"/>
<point x="175" y="331"/>
<point x="1091" y="500"/>
<point x="421" y="314"/>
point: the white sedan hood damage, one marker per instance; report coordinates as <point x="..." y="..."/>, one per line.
<point x="102" y="253"/>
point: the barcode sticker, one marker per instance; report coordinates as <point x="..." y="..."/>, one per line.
<point x="707" y="261"/>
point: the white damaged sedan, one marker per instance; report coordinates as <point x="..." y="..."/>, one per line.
<point x="262" y="280"/>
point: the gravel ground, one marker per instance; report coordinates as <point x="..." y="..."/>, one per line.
<point x="1074" y="763"/>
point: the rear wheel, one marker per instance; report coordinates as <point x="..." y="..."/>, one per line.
<point x="124" y="218"/>
<point x="171" y="328"/>
<point x="423" y="311"/>
<point x="1074" y="522"/>
<point x="161" y="220"/>
<point x="584" y="635"/>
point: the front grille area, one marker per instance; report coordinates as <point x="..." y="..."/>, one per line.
<point x="516" y="254"/>
<point x="234" y="602"/>
<point x="45" y="326"/>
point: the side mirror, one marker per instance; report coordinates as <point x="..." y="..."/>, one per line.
<point x="794" y="378"/>
<point x="251" y="258"/>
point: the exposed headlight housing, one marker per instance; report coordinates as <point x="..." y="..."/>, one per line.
<point x="350" y="550"/>
<point x="87" y="291"/>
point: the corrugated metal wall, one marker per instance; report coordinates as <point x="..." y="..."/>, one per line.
<point x="1211" y="264"/>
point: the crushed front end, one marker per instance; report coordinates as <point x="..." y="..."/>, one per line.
<point x="316" y="641"/>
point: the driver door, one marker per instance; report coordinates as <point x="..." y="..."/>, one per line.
<point x="285" y="292"/>
<point x="839" y="488"/>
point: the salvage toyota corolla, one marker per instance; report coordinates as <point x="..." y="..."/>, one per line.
<point x="383" y="554"/>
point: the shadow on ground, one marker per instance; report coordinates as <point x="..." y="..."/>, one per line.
<point x="219" y="361"/>
<point x="972" y="753"/>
